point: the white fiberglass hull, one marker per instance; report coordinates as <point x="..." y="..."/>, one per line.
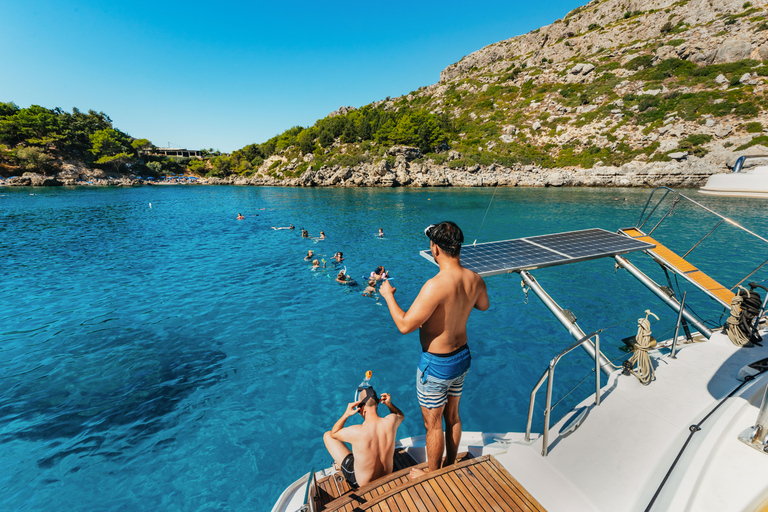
<point x="752" y="183"/>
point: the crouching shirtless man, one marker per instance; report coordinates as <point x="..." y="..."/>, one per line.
<point x="373" y="442"/>
<point x="440" y="312"/>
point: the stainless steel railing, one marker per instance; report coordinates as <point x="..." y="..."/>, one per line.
<point x="549" y="375"/>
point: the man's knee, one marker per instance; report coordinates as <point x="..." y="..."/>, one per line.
<point x="451" y="413"/>
<point x="327" y="437"/>
<point x="433" y="418"/>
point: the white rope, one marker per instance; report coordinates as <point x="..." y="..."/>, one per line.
<point x="735" y="333"/>
<point x="641" y="358"/>
<point x="486" y="211"/>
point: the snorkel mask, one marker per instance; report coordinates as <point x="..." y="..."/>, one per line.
<point x="364" y="395"/>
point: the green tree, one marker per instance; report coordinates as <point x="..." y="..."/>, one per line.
<point x="406" y="131"/>
<point x="325" y="139"/>
<point x="141" y="145"/>
<point x="365" y="131"/>
<point x="33" y="158"/>
<point x="306" y="142"/>
<point x="112" y="147"/>
<point x="349" y="134"/>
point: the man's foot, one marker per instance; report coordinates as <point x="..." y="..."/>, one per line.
<point x="417" y="473"/>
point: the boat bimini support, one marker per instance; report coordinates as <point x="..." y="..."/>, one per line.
<point x="755" y="436"/>
<point x="569" y="323"/>
<point x="660" y="293"/>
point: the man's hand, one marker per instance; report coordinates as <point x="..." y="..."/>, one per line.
<point x="387" y="290"/>
<point x="351" y="409"/>
<point x="387" y="400"/>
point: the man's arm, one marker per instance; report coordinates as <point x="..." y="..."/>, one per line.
<point x="387" y="400"/>
<point x="483" y="302"/>
<point x="419" y="312"/>
<point x="348" y="434"/>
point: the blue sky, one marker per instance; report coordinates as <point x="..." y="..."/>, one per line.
<point x="226" y="74"/>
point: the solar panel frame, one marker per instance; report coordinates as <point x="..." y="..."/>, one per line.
<point x="541" y="251"/>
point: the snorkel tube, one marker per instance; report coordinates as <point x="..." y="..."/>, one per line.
<point x="365" y="384"/>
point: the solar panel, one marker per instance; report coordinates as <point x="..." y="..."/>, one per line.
<point x="492" y="258"/>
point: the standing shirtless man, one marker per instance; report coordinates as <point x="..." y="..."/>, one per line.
<point x="440" y="312"/>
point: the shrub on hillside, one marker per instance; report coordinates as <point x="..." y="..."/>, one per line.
<point x="638" y="62"/>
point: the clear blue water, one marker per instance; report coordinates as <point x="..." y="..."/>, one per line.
<point x="174" y="358"/>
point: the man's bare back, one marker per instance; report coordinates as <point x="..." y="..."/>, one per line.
<point x="375" y="449"/>
<point x="373" y="442"/>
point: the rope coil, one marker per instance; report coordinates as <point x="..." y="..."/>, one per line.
<point x="641" y="359"/>
<point x="745" y="305"/>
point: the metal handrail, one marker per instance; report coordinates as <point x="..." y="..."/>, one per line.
<point x="549" y="375"/>
<point x="678" y="196"/>
<point x="740" y="161"/>
<point x="683" y="196"/>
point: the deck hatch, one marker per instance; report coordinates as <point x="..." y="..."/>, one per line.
<point x="529" y="253"/>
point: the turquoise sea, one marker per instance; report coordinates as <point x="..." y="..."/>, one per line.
<point x="174" y="358"/>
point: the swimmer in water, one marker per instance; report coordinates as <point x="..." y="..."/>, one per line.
<point x="322" y="235"/>
<point x="343" y="278"/>
<point x="240" y="216"/>
<point x="381" y="233"/>
<point x="379" y="274"/>
<point x="304" y="233"/>
<point x="316" y="264"/>
<point x="309" y="255"/>
<point x="284" y="227"/>
<point x="370" y="289"/>
<point x="338" y="257"/>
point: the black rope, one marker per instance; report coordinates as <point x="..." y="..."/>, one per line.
<point x="693" y="429"/>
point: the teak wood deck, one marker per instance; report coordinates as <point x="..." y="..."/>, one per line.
<point x="479" y="484"/>
<point x="677" y="264"/>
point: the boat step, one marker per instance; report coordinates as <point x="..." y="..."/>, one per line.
<point x="328" y="490"/>
<point x="473" y="484"/>
<point x="682" y="267"/>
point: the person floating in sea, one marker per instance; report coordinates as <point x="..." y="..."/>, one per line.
<point x="373" y="442"/>
<point x="338" y="257"/>
<point x="316" y="264"/>
<point x="343" y="278"/>
<point x="380" y="274"/>
<point x="322" y="235"/>
<point x="381" y="233"/>
<point x="240" y="216"/>
<point x="370" y="289"/>
<point x="284" y="227"/>
<point x="309" y="256"/>
<point x="440" y="312"/>
<point x="304" y="233"/>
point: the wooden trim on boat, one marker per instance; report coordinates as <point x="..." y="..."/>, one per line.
<point x="682" y="267"/>
<point x="469" y="485"/>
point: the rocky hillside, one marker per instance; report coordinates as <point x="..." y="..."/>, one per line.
<point x="616" y="93"/>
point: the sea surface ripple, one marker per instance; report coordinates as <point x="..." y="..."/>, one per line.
<point x="158" y="354"/>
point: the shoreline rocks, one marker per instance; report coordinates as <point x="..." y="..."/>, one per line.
<point x="688" y="172"/>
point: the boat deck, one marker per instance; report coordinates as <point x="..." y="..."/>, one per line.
<point x="472" y="484"/>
